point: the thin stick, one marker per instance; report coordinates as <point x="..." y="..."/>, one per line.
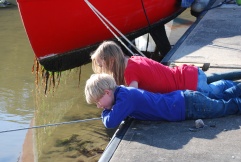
<point x="49" y="125"/>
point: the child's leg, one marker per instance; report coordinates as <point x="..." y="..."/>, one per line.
<point x="215" y="89"/>
<point x="200" y="106"/>
<point x="232" y="92"/>
<point x="218" y="88"/>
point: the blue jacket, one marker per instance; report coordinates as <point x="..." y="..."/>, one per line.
<point x="144" y="105"/>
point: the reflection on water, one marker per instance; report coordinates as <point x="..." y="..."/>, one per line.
<point x="16" y="84"/>
<point x="74" y="142"/>
<point x="21" y="103"/>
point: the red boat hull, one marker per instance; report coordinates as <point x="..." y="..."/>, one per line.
<point x="58" y="28"/>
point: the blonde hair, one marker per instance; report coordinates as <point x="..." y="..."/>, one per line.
<point x="113" y="57"/>
<point x="96" y="85"/>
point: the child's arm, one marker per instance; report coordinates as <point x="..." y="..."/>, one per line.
<point x="112" y="118"/>
<point x="109" y="120"/>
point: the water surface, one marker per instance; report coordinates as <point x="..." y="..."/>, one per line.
<point x="23" y="104"/>
<point x="16" y="83"/>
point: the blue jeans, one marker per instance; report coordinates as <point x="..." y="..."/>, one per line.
<point x="215" y="89"/>
<point x="200" y="106"/>
<point x="186" y="3"/>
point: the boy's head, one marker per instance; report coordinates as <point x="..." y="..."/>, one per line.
<point x="109" y="58"/>
<point x="97" y="86"/>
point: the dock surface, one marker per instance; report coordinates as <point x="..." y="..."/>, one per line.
<point x="214" y="38"/>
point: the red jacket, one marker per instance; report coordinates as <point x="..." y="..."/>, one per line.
<point x="155" y="77"/>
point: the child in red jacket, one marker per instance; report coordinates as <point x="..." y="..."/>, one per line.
<point x="145" y="73"/>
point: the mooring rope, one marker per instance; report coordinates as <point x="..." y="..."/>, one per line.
<point x="49" y="125"/>
<point x="103" y="19"/>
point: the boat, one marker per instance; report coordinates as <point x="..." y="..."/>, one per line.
<point x="62" y="34"/>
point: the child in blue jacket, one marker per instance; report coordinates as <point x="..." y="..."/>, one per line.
<point x="119" y="102"/>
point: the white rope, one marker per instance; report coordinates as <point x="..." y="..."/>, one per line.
<point x="103" y="19"/>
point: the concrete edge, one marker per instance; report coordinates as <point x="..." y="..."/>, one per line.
<point x="115" y="140"/>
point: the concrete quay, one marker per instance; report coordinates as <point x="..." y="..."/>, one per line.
<point x="214" y="38"/>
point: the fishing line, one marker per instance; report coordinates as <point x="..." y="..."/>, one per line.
<point x="49" y="125"/>
<point x="103" y="19"/>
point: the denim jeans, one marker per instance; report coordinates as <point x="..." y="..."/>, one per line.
<point x="215" y="89"/>
<point x="200" y="106"/>
<point x="186" y="3"/>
